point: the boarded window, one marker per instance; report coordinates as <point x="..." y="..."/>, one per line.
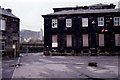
<point x="69" y="41"/>
<point x="85" y="40"/>
<point x="2" y="24"/>
<point x="54" y="41"/>
<point x="84" y="22"/>
<point x="117" y="39"/>
<point x="101" y="39"/>
<point x="68" y="22"/>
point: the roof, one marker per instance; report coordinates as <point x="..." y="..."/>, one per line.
<point x="87" y="11"/>
<point x="100" y="4"/>
<point x="4" y="12"/>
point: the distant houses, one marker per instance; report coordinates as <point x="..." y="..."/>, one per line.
<point x="9" y="33"/>
<point x="83" y="29"/>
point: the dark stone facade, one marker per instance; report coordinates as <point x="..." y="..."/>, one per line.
<point x="10" y="36"/>
<point x="93" y="30"/>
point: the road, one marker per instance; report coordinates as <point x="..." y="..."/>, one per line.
<point x="36" y="65"/>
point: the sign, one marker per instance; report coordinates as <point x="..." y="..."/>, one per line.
<point x="14" y="46"/>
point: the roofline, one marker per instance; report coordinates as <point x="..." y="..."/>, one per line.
<point x="10" y="16"/>
<point x="52" y="14"/>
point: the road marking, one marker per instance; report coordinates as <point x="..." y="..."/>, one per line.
<point x="15" y="68"/>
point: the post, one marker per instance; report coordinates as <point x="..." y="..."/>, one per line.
<point x="14" y="50"/>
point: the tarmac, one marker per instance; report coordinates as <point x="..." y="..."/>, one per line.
<point x="36" y="65"/>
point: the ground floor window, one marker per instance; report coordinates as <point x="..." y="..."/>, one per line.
<point x="85" y="40"/>
<point x="101" y="39"/>
<point x="54" y="41"/>
<point x="117" y="39"/>
<point x="2" y="45"/>
<point x="69" y="41"/>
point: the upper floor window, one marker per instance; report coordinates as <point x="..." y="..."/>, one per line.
<point x="68" y="22"/>
<point x="116" y="21"/>
<point x="2" y="24"/>
<point x="84" y="22"/>
<point x="54" y="23"/>
<point x="100" y="21"/>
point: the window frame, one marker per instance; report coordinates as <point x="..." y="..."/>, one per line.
<point x="84" y="40"/>
<point x="117" y="21"/>
<point x="117" y="43"/>
<point x="55" y="43"/>
<point x="100" y="40"/>
<point x="1" y="25"/>
<point x="68" y="22"/>
<point x="85" y="22"/>
<point x="2" y="42"/>
<point x="54" y="23"/>
<point x="67" y="42"/>
<point x="100" y="21"/>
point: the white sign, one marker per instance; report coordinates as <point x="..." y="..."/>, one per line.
<point x="14" y="46"/>
<point x="54" y="45"/>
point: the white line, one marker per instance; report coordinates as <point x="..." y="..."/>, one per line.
<point x="15" y="68"/>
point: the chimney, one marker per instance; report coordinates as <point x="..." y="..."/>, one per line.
<point x="9" y="10"/>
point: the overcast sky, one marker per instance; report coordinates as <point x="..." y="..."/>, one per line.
<point x="30" y="11"/>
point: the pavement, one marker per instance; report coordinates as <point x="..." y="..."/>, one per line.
<point x="36" y="65"/>
<point x="7" y="69"/>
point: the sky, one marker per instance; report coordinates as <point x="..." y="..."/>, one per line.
<point x="30" y="11"/>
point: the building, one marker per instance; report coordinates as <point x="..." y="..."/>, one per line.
<point x="9" y="33"/>
<point x="83" y="29"/>
<point x="41" y="34"/>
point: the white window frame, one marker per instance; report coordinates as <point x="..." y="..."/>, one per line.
<point x="69" y="22"/>
<point x="84" y="22"/>
<point x="69" y="37"/>
<point x="115" y="21"/>
<point x="2" y="42"/>
<point x="54" y="23"/>
<point x="101" y="44"/>
<point x="2" y="24"/>
<point x="55" y="44"/>
<point x="85" y="41"/>
<point x="100" y="21"/>
<point x="117" y="39"/>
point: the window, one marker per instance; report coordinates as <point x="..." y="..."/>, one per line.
<point x="54" y="41"/>
<point x="2" y="46"/>
<point x="85" y="40"/>
<point x="101" y="39"/>
<point x="100" y="21"/>
<point x="117" y="39"/>
<point x="2" y="24"/>
<point x="116" y="21"/>
<point x="68" y="22"/>
<point x="69" y="41"/>
<point x="54" y="23"/>
<point x="84" y="22"/>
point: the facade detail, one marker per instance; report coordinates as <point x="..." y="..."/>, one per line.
<point x="9" y="33"/>
<point x="84" y="29"/>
